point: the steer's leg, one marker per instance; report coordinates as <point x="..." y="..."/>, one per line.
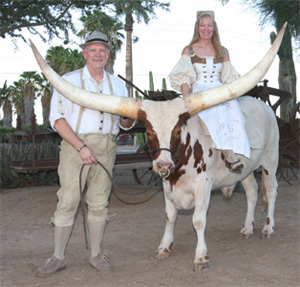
<point x="165" y="247"/>
<point x="202" y="197"/>
<point x="251" y="189"/>
<point x="269" y="189"/>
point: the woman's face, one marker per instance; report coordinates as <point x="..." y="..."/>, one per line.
<point x="205" y="28"/>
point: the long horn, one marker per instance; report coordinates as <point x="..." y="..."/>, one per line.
<point x="127" y="107"/>
<point x="209" y="98"/>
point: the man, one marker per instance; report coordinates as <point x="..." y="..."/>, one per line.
<point x="88" y="136"/>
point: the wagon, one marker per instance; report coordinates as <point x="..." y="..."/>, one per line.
<point x="128" y="157"/>
<point x="138" y="158"/>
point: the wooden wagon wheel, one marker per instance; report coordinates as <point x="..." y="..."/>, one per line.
<point x="144" y="176"/>
<point x="289" y="151"/>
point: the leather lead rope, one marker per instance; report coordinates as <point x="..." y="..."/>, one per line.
<point x="115" y="187"/>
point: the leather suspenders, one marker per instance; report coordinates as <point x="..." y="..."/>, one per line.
<point x="82" y="108"/>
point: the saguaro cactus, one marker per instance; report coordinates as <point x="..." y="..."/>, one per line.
<point x="151" y="83"/>
<point x="164" y="84"/>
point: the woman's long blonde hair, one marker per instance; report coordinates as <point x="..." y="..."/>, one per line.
<point x="219" y="49"/>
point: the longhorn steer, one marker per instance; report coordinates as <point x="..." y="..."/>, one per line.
<point x="184" y="153"/>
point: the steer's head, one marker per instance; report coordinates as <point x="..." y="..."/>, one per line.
<point x="163" y="120"/>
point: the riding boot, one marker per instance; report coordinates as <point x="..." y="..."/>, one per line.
<point x="57" y="261"/>
<point x="233" y="163"/>
<point x="96" y="230"/>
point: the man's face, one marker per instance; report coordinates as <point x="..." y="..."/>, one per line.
<point x="96" y="55"/>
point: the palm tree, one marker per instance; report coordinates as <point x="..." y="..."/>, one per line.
<point x="64" y="60"/>
<point x="45" y="93"/>
<point x="29" y="89"/>
<point x="99" y="21"/>
<point x="142" y="10"/>
<point x="5" y="102"/>
<point x="18" y="100"/>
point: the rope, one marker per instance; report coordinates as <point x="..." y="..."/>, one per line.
<point x="115" y="187"/>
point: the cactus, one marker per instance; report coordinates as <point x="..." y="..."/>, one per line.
<point x="137" y="95"/>
<point x="151" y="83"/>
<point x="164" y="84"/>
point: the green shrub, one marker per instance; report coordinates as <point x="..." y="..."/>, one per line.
<point x="11" y="150"/>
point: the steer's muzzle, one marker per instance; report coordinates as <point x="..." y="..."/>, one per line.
<point x="164" y="173"/>
<point x="164" y="169"/>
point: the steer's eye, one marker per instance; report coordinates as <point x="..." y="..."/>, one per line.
<point x="179" y="133"/>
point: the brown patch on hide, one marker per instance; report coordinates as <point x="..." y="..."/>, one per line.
<point x="176" y="132"/>
<point x="184" y="154"/>
<point x="266" y="172"/>
<point x="141" y="116"/>
<point x="198" y="155"/>
<point x="210" y="152"/>
<point x="151" y="134"/>
<point x="268" y="221"/>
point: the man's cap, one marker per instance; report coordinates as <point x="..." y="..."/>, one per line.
<point x="96" y="37"/>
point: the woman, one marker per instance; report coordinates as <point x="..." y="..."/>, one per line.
<point x="205" y="64"/>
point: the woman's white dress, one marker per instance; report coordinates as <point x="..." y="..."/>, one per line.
<point x="224" y="122"/>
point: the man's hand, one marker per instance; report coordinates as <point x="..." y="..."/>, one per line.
<point x="87" y="156"/>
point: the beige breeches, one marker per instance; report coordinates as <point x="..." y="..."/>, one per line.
<point x="96" y="179"/>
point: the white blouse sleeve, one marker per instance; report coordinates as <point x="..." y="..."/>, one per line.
<point x="228" y="73"/>
<point x="182" y="73"/>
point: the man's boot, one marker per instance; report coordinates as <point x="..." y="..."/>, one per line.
<point x="233" y="163"/>
<point x="56" y="262"/>
<point x="96" y="229"/>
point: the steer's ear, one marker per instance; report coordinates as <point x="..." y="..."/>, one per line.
<point x="124" y="106"/>
<point x="206" y="99"/>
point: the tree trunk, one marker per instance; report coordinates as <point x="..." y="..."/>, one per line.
<point x="29" y="96"/>
<point x="129" y="73"/>
<point x="287" y="78"/>
<point x="45" y="100"/>
<point x="20" y="116"/>
<point x="7" y="114"/>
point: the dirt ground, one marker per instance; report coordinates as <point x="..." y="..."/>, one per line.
<point x="133" y="234"/>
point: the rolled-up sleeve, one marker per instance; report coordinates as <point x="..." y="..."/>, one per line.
<point x="182" y="73"/>
<point x="60" y="108"/>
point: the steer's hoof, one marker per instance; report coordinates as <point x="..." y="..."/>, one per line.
<point x="267" y="231"/>
<point x="266" y="235"/>
<point x="247" y="233"/>
<point x="161" y="254"/>
<point x="201" y="266"/>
